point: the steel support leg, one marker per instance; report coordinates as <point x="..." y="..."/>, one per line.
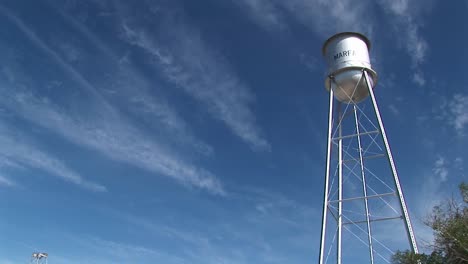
<point x="340" y="185"/>
<point x="364" y="186"/>
<point x="409" y="228"/>
<point x="327" y="177"/>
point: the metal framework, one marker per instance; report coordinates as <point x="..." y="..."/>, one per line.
<point x="354" y="141"/>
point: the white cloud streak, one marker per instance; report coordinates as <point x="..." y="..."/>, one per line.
<point x="5" y="181"/>
<point x="189" y="64"/>
<point x="55" y="56"/>
<point x="121" y="250"/>
<point x="402" y="14"/>
<point x="404" y="19"/>
<point x="323" y="17"/>
<point x="394" y="109"/>
<point x="105" y="132"/>
<point x="265" y="13"/>
<point x="131" y="86"/>
<point x="440" y="169"/>
<point x="453" y="111"/>
<point x="19" y="150"/>
<point x="458" y="108"/>
<point x="113" y="137"/>
<point x="419" y="79"/>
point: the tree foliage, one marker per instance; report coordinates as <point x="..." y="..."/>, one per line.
<point x="449" y="221"/>
<point x="408" y="257"/>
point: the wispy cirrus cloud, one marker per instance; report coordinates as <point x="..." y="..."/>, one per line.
<point x="121" y="250"/>
<point x="20" y="150"/>
<point x="188" y="62"/>
<point x="112" y="137"/>
<point x="265" y="13"/>
<point x="346" y="15"/>
<point x="458" y="108"/>
<point x="102" y="128"/>
<point x="132" y="88"/>
<point x="440" y="169"/>
<point x="402" y="14"/>
<point x="6" y="181"/>
<point x="394" y="109"/>
<point x="453" y="111"/>
<point x="418" y="78"/>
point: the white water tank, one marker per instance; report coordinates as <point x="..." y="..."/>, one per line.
<point x="347" y="55"/>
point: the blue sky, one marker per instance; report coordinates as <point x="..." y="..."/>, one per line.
<point x="195" y="131"/>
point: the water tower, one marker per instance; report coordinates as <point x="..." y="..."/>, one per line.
<point x="365" y="218"/>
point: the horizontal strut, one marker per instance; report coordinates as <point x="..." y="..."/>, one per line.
<point x="355" y="135"/>
<point x="373" y="220"/>
<point x="366" y="157"/>
<point x="363" y="197"/>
